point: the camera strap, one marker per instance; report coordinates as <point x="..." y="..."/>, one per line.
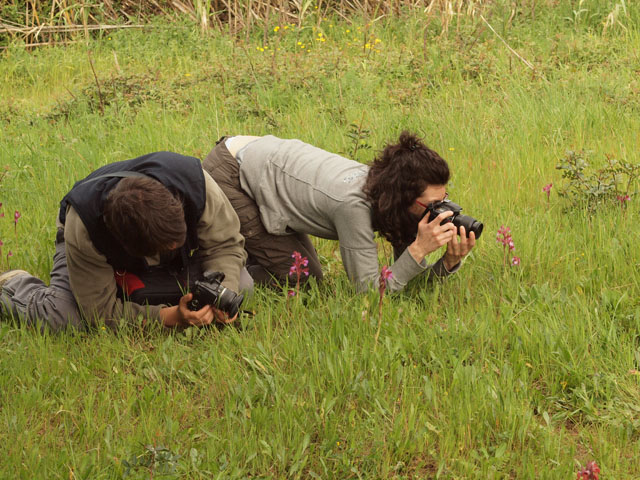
<point x="158" y="285"/>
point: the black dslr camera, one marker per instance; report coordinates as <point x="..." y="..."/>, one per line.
<point x="470" y="224"/>
<point x="210" y="291"/>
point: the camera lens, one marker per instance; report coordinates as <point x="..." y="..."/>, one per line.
<point x="229" y="301"/>
<point x="470" y="224"/>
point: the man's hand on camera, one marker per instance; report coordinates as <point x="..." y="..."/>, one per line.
<point x="432" y="235"/>
<point x="457" y="248"/>
<point x="181" y="316"/>
<point x="223" y="317"/>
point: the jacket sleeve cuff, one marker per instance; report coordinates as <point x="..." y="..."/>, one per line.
<point x="406" y="268"/>
<point x="440" y="270"/>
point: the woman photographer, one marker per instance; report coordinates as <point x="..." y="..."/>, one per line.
<point x="284" y="190"/>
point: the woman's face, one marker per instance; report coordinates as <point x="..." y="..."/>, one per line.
<point x="431" y="194"/>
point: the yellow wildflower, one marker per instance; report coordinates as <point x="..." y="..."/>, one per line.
<point x="275" y="29"/>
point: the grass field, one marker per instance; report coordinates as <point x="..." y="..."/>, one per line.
<point x="526" y="371"/>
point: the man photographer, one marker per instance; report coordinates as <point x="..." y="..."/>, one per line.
<point x="283" y="190"/>
<point x="132" y="235"/>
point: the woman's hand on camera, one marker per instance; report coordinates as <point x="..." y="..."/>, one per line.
<point x="181" y="316"/>
<point x="432" y="235"/>
<point x="458" y="248"/>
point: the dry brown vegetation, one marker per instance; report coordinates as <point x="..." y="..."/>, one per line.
<point x="38" y="22"/>
<point x="45" y="22"/>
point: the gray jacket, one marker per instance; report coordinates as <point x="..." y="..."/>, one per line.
<point x="302" y="188"/>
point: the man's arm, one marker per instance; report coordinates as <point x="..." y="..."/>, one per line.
<point x="221" y="244"/>
<point x="92" y="281"/>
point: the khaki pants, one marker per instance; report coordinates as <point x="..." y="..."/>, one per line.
<point x="269" y="255"/>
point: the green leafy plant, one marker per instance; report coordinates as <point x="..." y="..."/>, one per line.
<point x="358" y="136"/>
<point x="156" y="459"/>
<point x="590" y="187"/>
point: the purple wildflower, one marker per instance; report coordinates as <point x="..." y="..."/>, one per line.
<point x="16" y="217"/>
<point x="299" y="268"/>
<point x="504" y="238"/>
<point x="590" y="472"/>
<point x="385" y="275"/>
<point x="623" y="199"/>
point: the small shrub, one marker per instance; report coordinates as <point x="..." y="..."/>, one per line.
<point x="589" y="187"/>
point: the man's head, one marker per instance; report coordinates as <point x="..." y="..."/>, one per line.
<point x="403" y="173"/>
<point x="145" y="217"/>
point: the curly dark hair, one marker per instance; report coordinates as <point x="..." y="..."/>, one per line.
<point x="396" y="178"/>
<point x="145" y="217"/>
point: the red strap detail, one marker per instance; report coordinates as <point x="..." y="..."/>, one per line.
<point x="128" y="282"/>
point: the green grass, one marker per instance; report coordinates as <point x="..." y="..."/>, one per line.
<point x="498" y="373"/>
